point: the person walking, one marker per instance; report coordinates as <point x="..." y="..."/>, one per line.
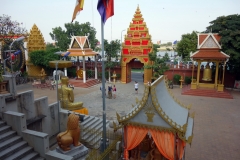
<point x="136" y="87"/>
<point x="110" y="92"/>
<point x="114" y="91"/>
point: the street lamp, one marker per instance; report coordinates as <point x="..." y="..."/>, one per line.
<point x="10" y="47"/>
<point x="63" y="64"/>
<point x="121" y="37"/>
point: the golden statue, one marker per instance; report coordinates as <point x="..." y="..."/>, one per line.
<point x="43" y="72"/>
<point x="71" y="135"/>
<point x="66" y="97"/>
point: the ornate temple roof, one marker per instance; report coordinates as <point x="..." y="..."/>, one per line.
<point x="80" y="46"/>
<point x="35" y="40"/>
<point x="158" y="109"/>
<point x="209" y="48"/>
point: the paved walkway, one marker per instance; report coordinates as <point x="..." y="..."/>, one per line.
<point x="216" y="122"/>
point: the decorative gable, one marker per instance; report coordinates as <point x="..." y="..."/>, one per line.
<point x="210" y="43"/>
<point x="80" y="42"/>
<point x="75" y="44"/>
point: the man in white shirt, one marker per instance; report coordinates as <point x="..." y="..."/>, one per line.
<point x="136" y="87"/>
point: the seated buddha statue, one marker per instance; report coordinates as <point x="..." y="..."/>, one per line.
<point x="66" y="97"/>
<point x="43" y="72"/>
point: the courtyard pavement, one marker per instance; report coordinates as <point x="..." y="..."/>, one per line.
<point x="216" y="122"/>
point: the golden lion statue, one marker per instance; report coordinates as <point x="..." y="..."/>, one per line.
<point x="71" y="135"/>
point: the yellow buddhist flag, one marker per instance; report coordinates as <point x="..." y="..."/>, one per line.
<point x="78" y="8"/>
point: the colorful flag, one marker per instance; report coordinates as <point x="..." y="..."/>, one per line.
<point x="78" y="8"/>
<point x="105" y="9"/>
<point x="175" y="42"/>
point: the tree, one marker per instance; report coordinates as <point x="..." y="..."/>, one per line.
<point x="155" y="47"/>
<point x="187" y="44"/>
<point x="228" y="28"/>
<point x="166" y="57"/>
<point x="158" y="65"/>
<point x="111" y="51"/>
<point x="42" y="57"/>
<point x="63" y="38"/>
<point x="9" y="29"/>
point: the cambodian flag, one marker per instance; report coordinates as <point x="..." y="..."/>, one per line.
<point x="105" y="9"/>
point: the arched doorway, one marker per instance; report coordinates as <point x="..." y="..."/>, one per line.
<point x="128" y="63"/>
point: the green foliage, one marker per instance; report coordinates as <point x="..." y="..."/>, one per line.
<point x="100" y="75"/>
<point x="63" y="37"/>
<point x="42" y="57"/>
<point x="112" y="50"/>
<point x="166" y="57"/>
<point x="187" y="44"/>
<point x="158" y="66"/>
<point x="228" y="28"/>
<point x="176" y="79"/>
<point x="9" y="28"/>
<point x="152" y="56"/>
<point x="155" y="47"/>
<point x="187" y="80"/>
<point x="71" y="72"/>
<point x="50" y="46"/>
<point x="90" y="73"/>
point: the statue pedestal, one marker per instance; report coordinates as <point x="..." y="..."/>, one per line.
<point x="220" y="88"/>
<point x="76" y="152"/>
<point x="181" y="81"/>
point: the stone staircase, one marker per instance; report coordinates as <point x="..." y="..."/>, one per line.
<point x="91" y="131"/>
<point x="13" y="147"/>
<point x="79" y="83"/>
<point x="206" y="92"/>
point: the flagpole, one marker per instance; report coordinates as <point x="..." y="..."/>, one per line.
<point x="103" y="89"/>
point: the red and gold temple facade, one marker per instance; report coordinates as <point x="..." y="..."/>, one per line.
<point x="137" y="44"/>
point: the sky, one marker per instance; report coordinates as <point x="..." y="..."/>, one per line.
<point x="167" y="21"/>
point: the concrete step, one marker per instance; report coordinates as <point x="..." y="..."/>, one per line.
<point x="88" y="126"/>
<point x="11" y="141"/>
<point x="2" y="123"/>
<point x="10" y="150"/>
<point x="4" y="129"/>
<point x="32" y="156"/>
<point x="20" y="153"/>
<point x="97" y="126"/>
<point x="5" y="136"/>
<point x="87" y="120"/>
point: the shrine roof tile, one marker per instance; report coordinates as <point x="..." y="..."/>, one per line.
<point x="209" y="54"/>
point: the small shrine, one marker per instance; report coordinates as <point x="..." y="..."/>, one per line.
<point x="209" y="50"/>
<point x="137" y="44"/>
<point x="35" y="42"/>
<point x="158" y="126"/>
<point x="80" y="46"/>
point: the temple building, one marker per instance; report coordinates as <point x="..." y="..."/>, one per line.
<point x="158" y="126"/>
<point x="137" y="45"/>
<point x="35" y="42"/>
<point x="209" y="50"/>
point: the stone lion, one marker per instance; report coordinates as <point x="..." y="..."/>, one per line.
<point x="71" y="135"/>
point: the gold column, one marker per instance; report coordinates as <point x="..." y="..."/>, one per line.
<point x="198" y="73"/>
<point x="192" y="71"/>
<point x="220" y="87"/>
<point x="216" y="74"/>
<point x="223" y="72"/>
<point x="123" y="74"/>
